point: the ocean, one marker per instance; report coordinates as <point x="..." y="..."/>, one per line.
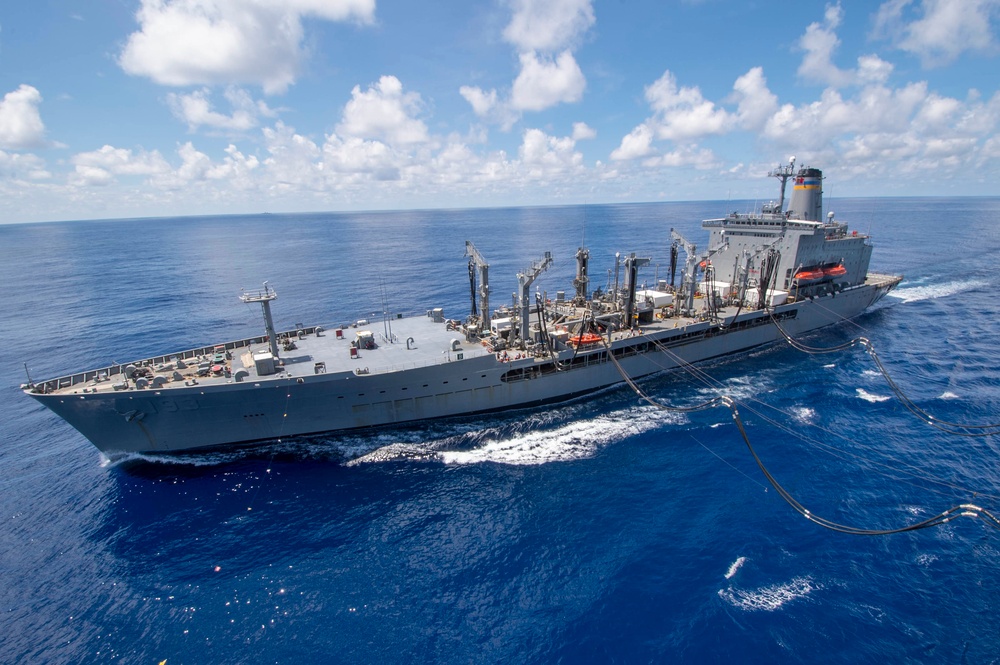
<point x="602" y="530"/>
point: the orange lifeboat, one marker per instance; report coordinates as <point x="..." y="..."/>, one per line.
<point x="810" y="274"/>
<point x="585" y="339"/>
<point x="835" y="271"/>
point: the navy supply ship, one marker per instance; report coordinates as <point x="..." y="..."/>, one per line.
<point x="764" y="275"/>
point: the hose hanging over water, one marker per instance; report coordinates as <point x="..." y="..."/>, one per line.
<point x="961" y="510"/>
<point x="958" y="429"/>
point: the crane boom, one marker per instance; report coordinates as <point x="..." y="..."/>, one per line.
<point x="524" y="280"/>
<point x="476" y="259"/>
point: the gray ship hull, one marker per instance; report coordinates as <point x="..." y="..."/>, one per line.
<point x="209" y="415"/>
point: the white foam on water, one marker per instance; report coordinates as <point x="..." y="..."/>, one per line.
<point x="930" y="292"/>
<point x="871" y="372"/>
<point x="579" y="439"/>
<point x="394" y="452"/>
<point x="804" y="414"/>
<point x="193" y="459"/>
<point x="868" y="397"/>
<point x="735" y="566"/>
<point x="830" y="366"/>
<point x="737" y="387"/>
<point x="770" y="598"/>
<point x="948" y="395"/>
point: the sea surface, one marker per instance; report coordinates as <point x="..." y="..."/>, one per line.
<point x="602" y="530"/>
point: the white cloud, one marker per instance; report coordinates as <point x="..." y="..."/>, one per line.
<point x="873" y="69"/>
<point x="544" y="32"/>
<point x="99" y="167"/>
<point x="682" y="113"/>
<point x="582" y="131"/>
<point x="545" y="156"/>
<point x="543" y="83"/>
<point x="755" y="101"/>
<point x="196" y="110"/>
<point x="548" y="25"/>
<point x="20" y="122"/>
<point x="384" y="112"/>
<point x="635" y="144"/>
<point x="945" y="29"/>
<point x="876" y="109"/>
<point x="819" y="42"/>
<point x="294" y="160"/>
<point x="482" y="102"/>
<point x="18" y="166"/>
<point x="207" y="42"/>
<point x="700" y="158"/>
<point x="360" y="157"/>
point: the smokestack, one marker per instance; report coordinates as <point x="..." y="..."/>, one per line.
<point x="807" y="196"/>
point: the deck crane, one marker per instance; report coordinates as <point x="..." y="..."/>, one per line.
<point x="582" y="281"/>
<point x="524" y="280"/>
<point x="688" y="281"/>
<point x="478" y="264"/>
<point x="632" y="265"/>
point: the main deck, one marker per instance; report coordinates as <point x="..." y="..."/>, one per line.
<point x="401" y="343"/>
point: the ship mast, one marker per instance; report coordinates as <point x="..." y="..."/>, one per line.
<point x="265" y="297"/>
<point x="783" y="173"/>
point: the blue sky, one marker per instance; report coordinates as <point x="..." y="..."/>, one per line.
<point x="133" y="108"/>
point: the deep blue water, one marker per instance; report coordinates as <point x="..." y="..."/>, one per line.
<point x="597" y="531"/>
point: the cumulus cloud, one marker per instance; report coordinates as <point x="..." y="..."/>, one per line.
<point x="384" y="112"/>
<point x="21" y="123"/>
<point x="544" y="33"/>
<point x="544" y="156"/>
<point x="756" y="102"/>
<point x="482" y="102"/>
<point x="682" y="116"/>
<point x="100" y="167"/>
<point x="548" y="25"/>
<point x="876" y="109"/>
<point x="819" y="42"/>
<point x="196" y="110"/>
<point x="873" y="69"/>
<point x="699" y="158"/>
<point x="208" y="42"/>
<point x="543" y="82"/>
<point x="18" y="166"/>
<point x="582" y="131"/>
<point x="683" y="113"/>
<point x="943" y="30"/>
<point x="635" y="144"/>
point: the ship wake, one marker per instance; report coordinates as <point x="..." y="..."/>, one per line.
<point x="917" y="293"/>
<point x="530" y="441"/>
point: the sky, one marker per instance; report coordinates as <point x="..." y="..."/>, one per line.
<point x="161" y="108"/>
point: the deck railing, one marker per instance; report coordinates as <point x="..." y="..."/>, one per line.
<point x="106" y="373"/>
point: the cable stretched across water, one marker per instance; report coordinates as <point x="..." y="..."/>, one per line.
<point x="960" y="510"/>
<point x="957" y="429"/>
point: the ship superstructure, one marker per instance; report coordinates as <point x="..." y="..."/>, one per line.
<point x="778" y="267"/>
